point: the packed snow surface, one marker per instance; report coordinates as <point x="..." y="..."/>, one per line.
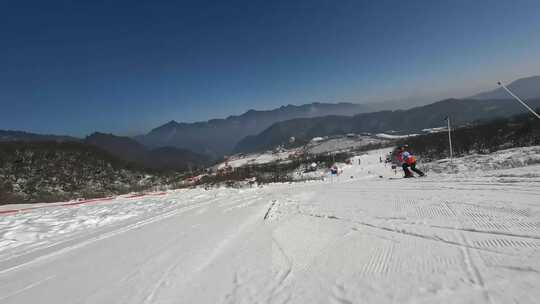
<point x="366" y="236"/>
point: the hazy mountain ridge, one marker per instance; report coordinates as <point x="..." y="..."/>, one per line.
<point x="217" y="137"/>
<point x="12" y="135"/>
<point x="164" y="158"/>
<point x="122" y="147"/>
<point x="461" y="111"/>
<point x="526" y="88"/>
<point x="170" y="146"/>
<point x="482" y="106"/>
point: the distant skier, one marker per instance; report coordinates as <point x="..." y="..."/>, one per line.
<point x="408" y="160"/>
<point x="334" y="172"/>
<point x="388" y="159"/>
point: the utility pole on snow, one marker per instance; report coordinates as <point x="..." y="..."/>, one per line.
<point x="450" y="139"/>
<point x="518" y="99"/>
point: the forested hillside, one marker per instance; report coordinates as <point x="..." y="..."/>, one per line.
<point x="518" y="131"/>
<point x="51" y="171"/>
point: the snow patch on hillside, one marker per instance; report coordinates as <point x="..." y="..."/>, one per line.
<point x="341" y="144"/>
<point x="237" y="161"/>
<point x="391" y="136"/>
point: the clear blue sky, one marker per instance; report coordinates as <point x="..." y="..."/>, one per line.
<point x="73" y="67"/>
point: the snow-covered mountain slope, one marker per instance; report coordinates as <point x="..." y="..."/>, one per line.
<point x="242" y="160"/>
<point x="470" y="237"/>
<point x="341" y="144"/>
<point x="320" y="146"/>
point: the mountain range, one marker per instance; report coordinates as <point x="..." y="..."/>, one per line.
<point x="10" y="136"/>
<point x="121" y="147"/>
<point x="218" y="137"/>
<point x="179" y="146"/>
<point x="461" y="111"/>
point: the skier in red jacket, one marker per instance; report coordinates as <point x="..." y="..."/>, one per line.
<point x="408" y="160"/>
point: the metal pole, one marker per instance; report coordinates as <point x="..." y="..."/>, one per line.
<point x="518" y="99"/>
<point x="450" y="140"/>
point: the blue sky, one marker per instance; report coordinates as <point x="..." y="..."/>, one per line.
<point x="73" y="67"/>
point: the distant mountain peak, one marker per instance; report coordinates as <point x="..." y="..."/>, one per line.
<point x="172" y="123"/>
<point x="527" y="87"/>
<point x="100" y="134"/>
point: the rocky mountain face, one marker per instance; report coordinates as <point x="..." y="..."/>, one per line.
<point x="218" y="137"/>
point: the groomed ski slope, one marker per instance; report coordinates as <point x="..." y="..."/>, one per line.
<point x="468" y="237"/>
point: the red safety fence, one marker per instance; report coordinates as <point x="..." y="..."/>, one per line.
<point x="79" y="202"/>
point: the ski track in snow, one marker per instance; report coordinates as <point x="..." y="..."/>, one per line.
<point x="467" y="237"/>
